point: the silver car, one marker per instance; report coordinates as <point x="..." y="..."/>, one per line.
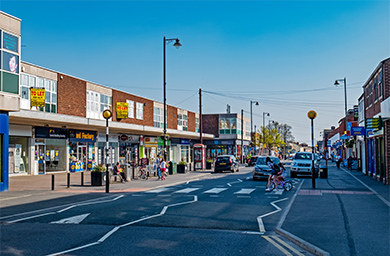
<point x="261" y="169"/>
<point x="302" y="164"/>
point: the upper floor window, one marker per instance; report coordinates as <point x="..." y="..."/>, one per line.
<point x="131" y="108"/>
<point x="158" y="117"/>
<point x="140" y="111"/>
<point x="247" y="129"/>
<point x="50" y="86"/>
<point x="228" y="126"/>
<point x="196" y="124"/>
<point x="182" y="122"/>
<point x="97" y="103"/>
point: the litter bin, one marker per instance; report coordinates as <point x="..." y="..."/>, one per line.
<point x="172" y="169"/>
<point x="126" y="168"/>
<point x="323" y="172"/>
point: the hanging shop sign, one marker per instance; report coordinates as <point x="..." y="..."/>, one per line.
<point x="37" y="97"/>
<point x="358" y="131"/>
<point x="122" y="110"/>
<point x="185" y="141"/>
<point x="82" y="136"/>
<point x="50" y="133"/>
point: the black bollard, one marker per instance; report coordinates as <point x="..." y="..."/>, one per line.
<point x="82" y="178"/>
<point x="68" y="180"/>
<point x="52" y="182"/>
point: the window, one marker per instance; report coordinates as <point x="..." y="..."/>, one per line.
<point x="247" y="129"/>
<point x="182" y="122"/>
<point x="131" y="108"/>
<point x="140" y="111"/>
<point x="158" y="117"/>
<point x="228" y="126"/>
<point x="96" y="104"/>
<point x="29" y="81"/>
<point x="196" y="124"/>
<point x="105" y="102"/>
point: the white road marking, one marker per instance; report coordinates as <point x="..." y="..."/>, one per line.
<point x="245" y="191"/>
<point x="278" y="192"/>
<point x="215" y="190"/>
<point x="72" y="220"/>
<point x="10" y="198"/>
<point x="158" y="190"/>
<point x="107" y="235"/>
<point x="187" y="190"/>
<point x="260" y="218"/>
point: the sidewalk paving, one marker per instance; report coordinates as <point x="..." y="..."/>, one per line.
<point x="346" y="214"/>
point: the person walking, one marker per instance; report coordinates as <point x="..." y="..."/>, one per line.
<point x="157" y="163"/>
<point x="163" y="167"/>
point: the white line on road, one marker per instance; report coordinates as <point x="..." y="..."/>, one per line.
<point x="107" y="235"/>
<point x="215" y="190"/>
<point x="15" y="197"/>
<point x="158" y="190"/>
<point x="260" y="218"/>
<point x="245" y="191"/>
<point x="187" y="190"/>
<point x="72" y="220"/>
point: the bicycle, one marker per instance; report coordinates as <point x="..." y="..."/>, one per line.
<point x="286" y="184"/>
<point x="142" y="174"/>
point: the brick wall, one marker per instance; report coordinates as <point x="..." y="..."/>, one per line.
<point x="386" y="127"/>
<point x="119" y="96"/>
<point x="71" y="96"/>
<point x="172" y="117"/>
<point x="191" y="121"/>
<point x="211" y="124"/>
<point x="386" y="79"/>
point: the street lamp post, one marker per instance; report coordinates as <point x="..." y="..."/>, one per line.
<point x="177" y="44"/>
<point x="312" y="115"/>
<point x="264" y="114"/>
<point x="107" y="114"/>
<point x="344" y="80"/>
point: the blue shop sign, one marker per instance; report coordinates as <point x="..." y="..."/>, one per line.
<point x="82" y="136"/>
<point x="358" y="131"/>
<point x="185" y="141"/>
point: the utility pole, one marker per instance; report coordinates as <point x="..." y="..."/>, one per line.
<point x="242" y="135"/>
<point x="200" y="116"/>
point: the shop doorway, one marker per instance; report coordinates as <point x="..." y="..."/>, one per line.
<point x="40" y="150"/>
<point x="82" y="154"/>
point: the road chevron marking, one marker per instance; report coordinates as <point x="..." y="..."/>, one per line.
<point x="260" y="218"/>
<point x="107" y="235"/>
<point x="72" y="220"/>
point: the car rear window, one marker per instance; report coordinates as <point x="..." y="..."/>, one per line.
<point x="223" y="159"/>
<point x="303" y="156"/>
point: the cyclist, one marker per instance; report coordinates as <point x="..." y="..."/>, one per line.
<point x="272" y="174"/>
<point x="282" y="174"/>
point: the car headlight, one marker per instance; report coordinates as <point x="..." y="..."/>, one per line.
<point x="294" y="164"/>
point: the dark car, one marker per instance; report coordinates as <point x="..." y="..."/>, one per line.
<point x="252" y="161"/>
<point x="226" y="163"/>
<point x="261" y="169"/>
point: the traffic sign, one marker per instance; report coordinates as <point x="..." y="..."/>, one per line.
<point x="374" y="123"/>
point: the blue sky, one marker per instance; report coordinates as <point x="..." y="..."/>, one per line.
<point x="284" y="54"/>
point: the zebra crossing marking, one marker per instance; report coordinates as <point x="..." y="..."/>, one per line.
<point x="215" y="190"/>
<point x="245" y="191"/>
<point x="158" y="190"/>
<point x="186" y="190"/>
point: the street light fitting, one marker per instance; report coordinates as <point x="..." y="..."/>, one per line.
<point x="177" y="44"/>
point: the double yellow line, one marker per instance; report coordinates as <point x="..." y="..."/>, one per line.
<point x="277" y="242"/>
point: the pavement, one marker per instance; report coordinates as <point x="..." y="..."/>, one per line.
<point x="347" y="213"/>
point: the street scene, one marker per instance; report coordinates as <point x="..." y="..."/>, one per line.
<point x="194" y="128"/>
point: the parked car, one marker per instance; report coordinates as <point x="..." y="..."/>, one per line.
<point x="261" y="169"/>
<point x="302" y="164"/>
<point x="252" y="161"/>
<point x="226" y="163"/>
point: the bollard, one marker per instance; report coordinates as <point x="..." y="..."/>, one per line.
<point x="68" y="180"/>
<point x="82" y="178"/>
<point x="52" y="182"/>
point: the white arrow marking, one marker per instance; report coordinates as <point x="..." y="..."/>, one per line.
<point x="72" y="220"/>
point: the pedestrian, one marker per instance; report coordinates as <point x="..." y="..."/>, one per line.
<point x="163" y="168"/>
<point x="117" y="170"/>
<point x="157" y="163"/>
<point x="338" y="161"/>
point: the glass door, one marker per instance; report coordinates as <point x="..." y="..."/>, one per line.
<point x="40" y="153"/>
<point x="82" y="155"/>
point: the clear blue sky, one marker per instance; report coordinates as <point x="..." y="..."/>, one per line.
<point x="285" y="54"/>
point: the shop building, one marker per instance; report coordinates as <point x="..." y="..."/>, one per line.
<point x="10" y="37"/>
<point x="232" y="134"/>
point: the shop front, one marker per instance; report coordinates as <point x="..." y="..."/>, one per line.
<point x="128" y="148"/>
<point x="150" y="149"/>
<point x="19" y="149"/>
<point x="50" y="154"/>
<point x="81" y="150"/>
<point x="180" y="150"/>
<point x="215" y="148"/>
<point x="4" y="133"/>
<point x="113" y="149"/>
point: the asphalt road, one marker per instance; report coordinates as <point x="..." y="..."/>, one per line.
<point x="224" y="214"/>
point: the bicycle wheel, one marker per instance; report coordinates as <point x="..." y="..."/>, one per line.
<point x="272" y="186"/>
<point x="287" y="185"/>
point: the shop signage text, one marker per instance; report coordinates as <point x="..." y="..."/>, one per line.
<point x="50" y="133"/>
<point x="82" y="136"/>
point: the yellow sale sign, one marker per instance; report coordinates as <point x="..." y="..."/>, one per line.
<point x="37" y="97"/>
<point x="122" y="110"/>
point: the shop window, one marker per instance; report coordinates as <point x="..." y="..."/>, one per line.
<point x="18" y="155"/>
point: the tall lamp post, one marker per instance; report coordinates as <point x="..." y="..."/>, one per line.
<point x="107" y="114"/>
<point x="177" y="44"/>
<point x="336" y="83"/>
<point x="264" y="114"/>
<point x="312" y="115"/>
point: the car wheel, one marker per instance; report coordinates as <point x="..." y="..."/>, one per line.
<point x="293" y="174"/>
